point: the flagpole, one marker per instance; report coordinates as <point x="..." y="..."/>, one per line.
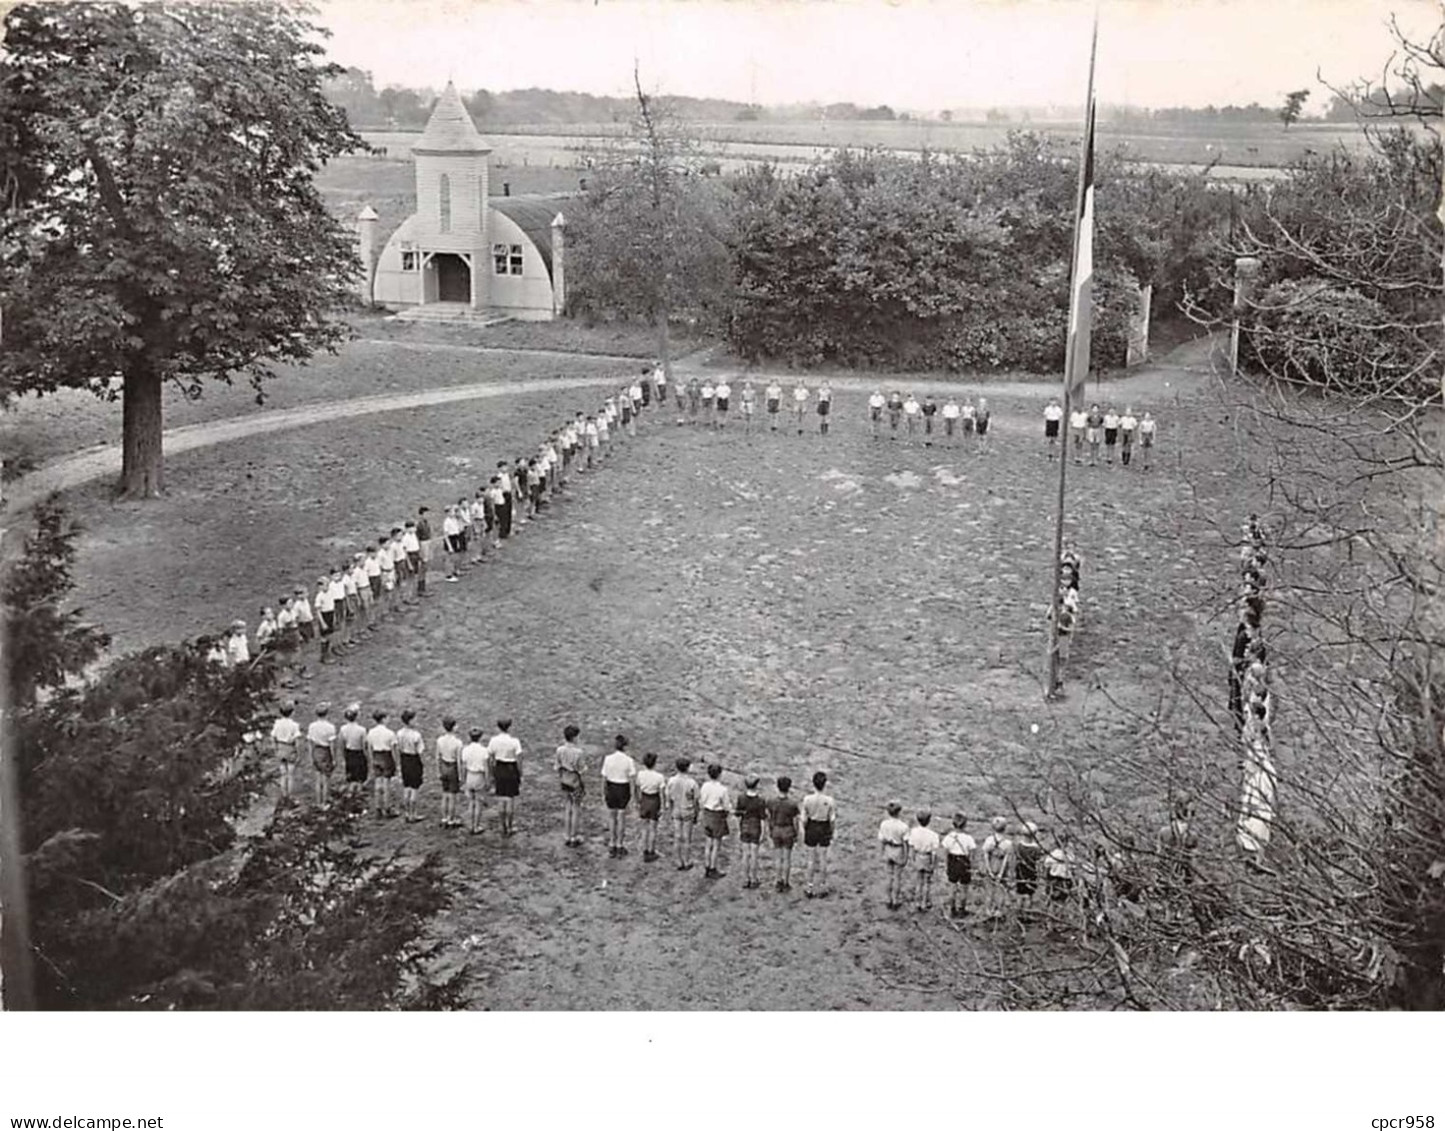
<point x="1055" y="684"/>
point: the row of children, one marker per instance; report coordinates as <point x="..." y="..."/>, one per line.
<point x="391" y="573"/>
<point x="1068" y="602"/>
<point x="966" y="420"/>
<point x="710" y="402"/>
<point x="1102" y="425"/>
<point x="472" y="770"/>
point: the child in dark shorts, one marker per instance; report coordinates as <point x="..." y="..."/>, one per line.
<point x="449" y="771"/>
<point x="819" y="816"/>
<point x="650" y="785"/>
<point x="713" y="800"/>
<point x="958" y="849"/>
<point x="783" y="817"/>
<point x="752" y="811"/>
<point x="1028" y="855"/>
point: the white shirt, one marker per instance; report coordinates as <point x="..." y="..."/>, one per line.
<point x="825" y="393"/>
<point x="724" y="390"/>
<point x="775" y="391"/>
<point x="237" y="649"/>
<point x="713" y="796"/>
<point x="1146" y="426"/>
<point x="877" y="401"/>
<point x="708" y="392"/>
<point x="1111" y="420"/>
<point x="409" y="542"/>
<point x="449" y="747"/>
<point x="618" y="767"/>
<point x="474" y="758"/>
<point x="322" y="732"/>
<point x="636" y="393"/>
<point x="285" y="618"/>
<point x="650" y="781"/>
<point x="372" y="566"/>
<point x="1078" y="418"/>
<point x="591" y="431"/>
<point x="336" y="590"/>
<point x="324" y="603"/>
<point x="968" y="411"/>
<point x="302" y="608"/>
<point x="450" y="527"/>
<point x="1054" y="412"/>
<point x="923" y="841"/>
<point x="504" y="748"/>
<point x="892" y="831"/>
<point x="951" y="410"/>
<point x="381" y="737"/>
<point x="1128" y="423"/>
<point x="286" y="731"/>
<point x="348" y="583"/>
<point x="959" y="843"/>
<point x="910" y="406"/>
<point x="800" y="393"/>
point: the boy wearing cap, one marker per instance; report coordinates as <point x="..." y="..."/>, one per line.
<point x="321" y="734"/>
<point x="570" y="768"/>
<point x="474" y="763"/>
<point x="752" y="812"/>
<point x="682" y="803"/>
<point x="923" y="847"/>
<point x="284" y="734"/>
<point x="784" y="816"/>
<point x="650" y="785"/>
<point x="381" y="747"/>
<point x="449" y="772"/>
<point x="958" y="848"/>
<point x="893" y="844"/>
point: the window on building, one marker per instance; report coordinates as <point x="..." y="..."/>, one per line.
<point x="499" y="258"/>
<point x="444" y="203"/>
<point x="516" y="259"/>
<point x="409" y="261"/>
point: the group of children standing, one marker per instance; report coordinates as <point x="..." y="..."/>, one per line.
<point x="390" y="574"/>
<point x="964" y="422"/>
<point x="711" y="403"/>
<point x="1106" y="426"/>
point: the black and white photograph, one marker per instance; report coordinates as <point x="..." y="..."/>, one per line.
<point x="580" y="514"/>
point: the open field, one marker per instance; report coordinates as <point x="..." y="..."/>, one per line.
<point x="779" y="603"/>
<point x="1235" y="145"/>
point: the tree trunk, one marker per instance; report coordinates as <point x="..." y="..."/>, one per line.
<point x="660" y="320"/>
<point x="142" y="465"/>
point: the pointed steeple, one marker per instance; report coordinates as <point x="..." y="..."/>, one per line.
<point x="450" y="128"/>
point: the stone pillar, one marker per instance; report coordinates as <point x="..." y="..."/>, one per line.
<point x="366" y="222"/>
<point x="559" y="260"/>
<point x="1246" y="271"/>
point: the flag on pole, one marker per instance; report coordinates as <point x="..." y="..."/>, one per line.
<point x="1081" y="290"/>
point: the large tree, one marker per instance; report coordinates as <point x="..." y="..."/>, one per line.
<point x="158" y="218"/>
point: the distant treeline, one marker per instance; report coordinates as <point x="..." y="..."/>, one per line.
<point x="407" y="108"/>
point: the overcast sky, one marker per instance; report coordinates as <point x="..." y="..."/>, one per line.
<point x="919" y="54"/>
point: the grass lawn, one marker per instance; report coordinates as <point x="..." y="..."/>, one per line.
<point x="777" y="603"/>
<point x="566" y="335"/>
<point x="36" y="430"/>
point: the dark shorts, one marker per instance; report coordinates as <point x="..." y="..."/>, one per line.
<point x="784" y="837"/>
<point x="411" y="771"/>
<point x="1051" y="428"/>
<point x="750" y="834"/>
<point x="715" y="823"/>
<point x="383" y="763"/>
<point x="507" y="777"/>
<point x="355" y="761"/>
<point x="817" y="834"/>
<point x="968" y="423"/>
<point x="1147" y="440"/>
<point x="323" y="759"/>
<point x="451" y="776"/>
<point x="307" y="629"/>
<point x="453" y="543"/>
<point x="617" y="794"/>
<point x="823" y="407"/>
<point x="1111" y="436"/>
<point x="1060" y="887"/>
<point x="875" y="413"/>
<point x="722" y="404"/>
<point x="772" y="406"/>
<point x="981" y="427"/>
<point x="960" y="869"/>
<point x="649" y="806"/>
<point x="375" y="583"/>
<point x="328" y="623"/>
